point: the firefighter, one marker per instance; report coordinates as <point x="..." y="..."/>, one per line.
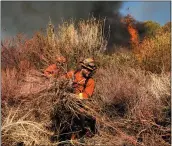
<point x="82" y="82"/>
<point x="57" y="68"/>
<point x="83" y="87"/>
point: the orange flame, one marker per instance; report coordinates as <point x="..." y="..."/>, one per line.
<point x="129" y="21"/>
<point x="134" y="40"/>
<point x="134" y="35"/>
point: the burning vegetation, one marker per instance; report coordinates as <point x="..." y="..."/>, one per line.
<point x="134" y="36"/>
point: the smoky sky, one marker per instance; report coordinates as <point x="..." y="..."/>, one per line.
<point x="28" y="17"/>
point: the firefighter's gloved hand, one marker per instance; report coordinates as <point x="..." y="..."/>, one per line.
<point x="80" y="96"/>
<point x="50" y="75"/>
<point x="56" y="73"/>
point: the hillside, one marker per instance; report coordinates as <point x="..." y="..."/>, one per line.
<point x="131" y="100"/>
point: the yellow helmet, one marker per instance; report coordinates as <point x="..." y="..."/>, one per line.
<point x="61" y="59"/>
<point x="88" y="63"/>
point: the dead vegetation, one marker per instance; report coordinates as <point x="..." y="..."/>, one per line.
<point x="131" y="101"/>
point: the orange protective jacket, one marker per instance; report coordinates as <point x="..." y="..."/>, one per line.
<point x="78" y="84"/>
<point x="51" y="70"/>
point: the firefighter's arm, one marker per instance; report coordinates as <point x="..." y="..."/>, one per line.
<point x="88" y="92"/>
<point x="68" y="75"/>
<point x="49" y="71"/>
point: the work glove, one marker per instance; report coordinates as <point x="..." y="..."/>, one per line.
<point x="56" y="73"/>
<point x="80" y="96"/>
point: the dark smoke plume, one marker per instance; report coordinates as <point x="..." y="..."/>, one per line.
<point x="119" y="34"/>
<point x="113" y="27"/>
<point x="27" y="17"/>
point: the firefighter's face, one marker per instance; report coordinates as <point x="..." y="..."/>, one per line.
<point x="85" y="72"/>
<point x="60" y="64"/>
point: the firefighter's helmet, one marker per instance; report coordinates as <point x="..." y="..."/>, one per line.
<point x="88" y="63"/>
<point x="61" y="59"/>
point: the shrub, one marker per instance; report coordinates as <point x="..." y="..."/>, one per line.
<point x="154" y="53"/>
<point x="131" y="101"/>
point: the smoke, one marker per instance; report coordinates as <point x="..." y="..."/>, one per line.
<point x="115" y="31"/>
<point x="28" y="17"/>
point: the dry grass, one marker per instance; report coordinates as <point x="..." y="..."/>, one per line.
<point x="18" y="129"/>
<point x="130" y="103"/>
<point x="10" y="78"/>
<point x="126" y="113"/>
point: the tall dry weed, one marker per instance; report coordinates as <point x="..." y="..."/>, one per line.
<point x="10" y="83"/>
<point x="134" y="97"/>
<point x="16" y="128"/>
<point x="130" y="102"/>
